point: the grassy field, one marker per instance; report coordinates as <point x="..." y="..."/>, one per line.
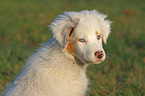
<point x="24" y="27"/>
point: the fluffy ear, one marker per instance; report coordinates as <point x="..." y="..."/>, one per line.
<point x="62" y="27"/>
<point x="105" y="30"/>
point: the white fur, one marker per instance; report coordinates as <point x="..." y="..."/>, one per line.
<point x="53" y="70"/>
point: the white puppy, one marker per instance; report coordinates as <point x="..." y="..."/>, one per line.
<point x="59" y="67"/>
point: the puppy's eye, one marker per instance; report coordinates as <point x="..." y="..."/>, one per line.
<point x="82" y="40"/>
<point x="98" y="37"/>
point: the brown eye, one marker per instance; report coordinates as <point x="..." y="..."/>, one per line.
<point x="98" y="37"/>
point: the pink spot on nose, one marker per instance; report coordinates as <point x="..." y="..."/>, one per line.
<point x="99" y="54"/>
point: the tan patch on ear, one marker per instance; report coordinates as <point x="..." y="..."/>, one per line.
<point x="70" y="48"/>
<point x="69" y="34"/>
<point x="97" y="33"/>
<point x="104" y="40"/>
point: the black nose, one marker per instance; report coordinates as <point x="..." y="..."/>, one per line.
<point x="99" y="54"/>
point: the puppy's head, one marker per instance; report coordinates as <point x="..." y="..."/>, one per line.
<point x="81" y="34"/>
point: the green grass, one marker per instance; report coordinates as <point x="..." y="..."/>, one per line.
<point x="23" y="27"/>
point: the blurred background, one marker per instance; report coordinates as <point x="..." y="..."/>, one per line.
<point x="24" y="27"/>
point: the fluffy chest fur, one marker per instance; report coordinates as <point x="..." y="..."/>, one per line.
<point x="63" y="75"/>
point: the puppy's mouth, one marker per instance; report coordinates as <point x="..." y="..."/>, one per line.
<point x="98" y="61"/>
<point x="83" y="61"/>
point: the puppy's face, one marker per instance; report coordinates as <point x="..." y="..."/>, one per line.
<point x="81" y="35"/>
<point x="85" y="42"/>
